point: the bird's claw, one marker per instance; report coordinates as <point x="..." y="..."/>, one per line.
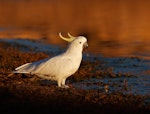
<point x="65" y="86"/>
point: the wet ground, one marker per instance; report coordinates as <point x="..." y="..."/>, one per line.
<point x="101" y="85"/>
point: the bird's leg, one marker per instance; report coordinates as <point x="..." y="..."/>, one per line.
<point x="59" y="83"/>
<point x="63" y="83"/>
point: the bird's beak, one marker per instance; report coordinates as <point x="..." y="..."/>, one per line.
<point x="85" y="45"/>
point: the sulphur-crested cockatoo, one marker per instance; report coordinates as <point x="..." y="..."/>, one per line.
<point x="60" y="67"/>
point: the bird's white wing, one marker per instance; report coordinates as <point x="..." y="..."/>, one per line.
<point x="57" y="66"/>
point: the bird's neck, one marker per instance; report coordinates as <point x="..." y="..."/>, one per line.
<point x="74" y="51"/>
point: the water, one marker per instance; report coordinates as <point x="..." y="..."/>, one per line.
<point x="113" y="28"/>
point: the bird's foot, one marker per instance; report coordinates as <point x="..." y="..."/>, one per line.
<point x="65" y="86"/>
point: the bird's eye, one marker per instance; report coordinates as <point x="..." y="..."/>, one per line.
<point x="80" y="42"/>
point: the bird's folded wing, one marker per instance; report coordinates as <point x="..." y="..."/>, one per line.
<point x="54" y="66"/>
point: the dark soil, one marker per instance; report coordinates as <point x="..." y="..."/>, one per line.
<point x="25" y="94"/>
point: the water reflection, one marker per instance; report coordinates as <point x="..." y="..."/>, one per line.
<point x="113" y="28"/>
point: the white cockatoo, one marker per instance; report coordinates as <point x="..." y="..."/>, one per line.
<point x="60" y="67"/>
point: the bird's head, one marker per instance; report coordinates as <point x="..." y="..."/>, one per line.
<point x="79" y="41"/>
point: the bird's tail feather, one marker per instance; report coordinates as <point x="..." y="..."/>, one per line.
<point x="22" y="68"/>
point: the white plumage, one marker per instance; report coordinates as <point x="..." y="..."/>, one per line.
<point x="60" y="67"/>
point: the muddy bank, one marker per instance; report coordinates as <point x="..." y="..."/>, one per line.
<point x="50" y="100"/>
<point x="20" y="95"/>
